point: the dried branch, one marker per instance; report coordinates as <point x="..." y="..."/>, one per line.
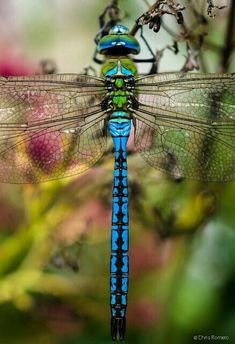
<point x="211" y="8"/>
<point x="191" y="61"/>
<point x="193" y="36"/>
<point x="157" y="11"/>
<point x="159" y="55"/>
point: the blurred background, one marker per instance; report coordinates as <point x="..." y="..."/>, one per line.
<point x="55" y="236"/>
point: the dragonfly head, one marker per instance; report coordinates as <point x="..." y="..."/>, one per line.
<point x="119" y="42"/>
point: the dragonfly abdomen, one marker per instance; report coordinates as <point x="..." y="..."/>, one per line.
<point x="119" y="261"/>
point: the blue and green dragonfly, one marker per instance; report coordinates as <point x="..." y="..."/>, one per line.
<point x="54" y="126"/>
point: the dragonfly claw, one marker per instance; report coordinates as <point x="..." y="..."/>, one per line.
<point x="118" y="328"/>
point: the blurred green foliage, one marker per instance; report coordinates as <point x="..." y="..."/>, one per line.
<point x="54" y="239"/>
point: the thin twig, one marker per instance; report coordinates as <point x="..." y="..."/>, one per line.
<point x="229" y="39"/>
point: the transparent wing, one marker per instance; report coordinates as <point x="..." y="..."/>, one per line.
<point x="185" y="124"/>
<point x="51" y="126"/>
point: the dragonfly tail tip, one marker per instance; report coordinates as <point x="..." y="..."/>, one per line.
<point x="118" y="328"/>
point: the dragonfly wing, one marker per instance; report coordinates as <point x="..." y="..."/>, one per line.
<point x="185" y="124"/>
<point x="51" y="126"/>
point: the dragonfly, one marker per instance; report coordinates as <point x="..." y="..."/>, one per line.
<point x="55" y="126"/>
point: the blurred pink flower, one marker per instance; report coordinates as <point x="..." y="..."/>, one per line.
<point x="46" y="150"/>
<point x="12" y="63"/>
<point x="45" y="147"/>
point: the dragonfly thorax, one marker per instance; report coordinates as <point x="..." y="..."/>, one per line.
<point x="120" y="88"/>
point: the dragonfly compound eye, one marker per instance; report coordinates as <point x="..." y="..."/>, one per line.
<point x="118" y="42"/>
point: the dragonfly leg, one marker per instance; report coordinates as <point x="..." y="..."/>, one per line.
<point x="119" y="260"/>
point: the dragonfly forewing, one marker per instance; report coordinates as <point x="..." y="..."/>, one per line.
<point x="185" y="124"/>
<point x="51" y="126"/>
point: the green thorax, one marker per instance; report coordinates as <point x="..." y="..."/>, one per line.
<point x="119" y="71"/>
